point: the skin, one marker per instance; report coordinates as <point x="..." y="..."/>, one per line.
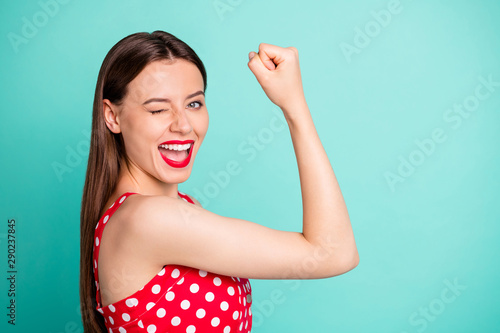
<point x="181" y="119"/>
<point x="156" y="228"/>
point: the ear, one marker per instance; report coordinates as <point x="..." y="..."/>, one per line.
<point x="111" y="116"/>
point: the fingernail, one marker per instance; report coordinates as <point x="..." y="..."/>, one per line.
<point x="251" y="55"/>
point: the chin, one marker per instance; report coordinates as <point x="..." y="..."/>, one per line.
<point x="180" y="176"/>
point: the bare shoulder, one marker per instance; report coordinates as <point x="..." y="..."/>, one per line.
<point x="138" y="207"/>
<point x="146" y="211"/>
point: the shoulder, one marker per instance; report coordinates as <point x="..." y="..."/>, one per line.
<point x="150" y="224"/>
<point x="140" y="203"/>
<point x="142" y="215"/>
<point x="138" y="206"/>
<point x="152" y="208"/>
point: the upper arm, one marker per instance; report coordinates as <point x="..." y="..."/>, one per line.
<point x="170" y="231"/>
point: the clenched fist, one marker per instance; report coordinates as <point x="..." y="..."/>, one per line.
<point x="278" y="72"/>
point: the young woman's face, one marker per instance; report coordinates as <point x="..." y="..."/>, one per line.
<point x="165" y="102"/>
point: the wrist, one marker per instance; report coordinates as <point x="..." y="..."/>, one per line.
<point x="295" y="111"/>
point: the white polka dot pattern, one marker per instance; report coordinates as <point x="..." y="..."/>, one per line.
<point x="177" y="299"/>
<point x="161" y="313"/>
<point x="176" y="321"/>
<point x="194" y="288"/>
<point x="170" y="296"/>
<point x="185" y="304"/>
<point x="132" y="302"/>
<point x="209" y="296"/>
<point x="156" y="289"/>
<point x="200" y="313"/>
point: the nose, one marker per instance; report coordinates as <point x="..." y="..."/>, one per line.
<point x="181" y="123"/>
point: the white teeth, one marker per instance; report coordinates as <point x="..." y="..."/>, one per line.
<point x="177" y="146"/>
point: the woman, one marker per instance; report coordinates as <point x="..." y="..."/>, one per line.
<point x="152" y="259"/>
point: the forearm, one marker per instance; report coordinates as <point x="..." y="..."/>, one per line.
<point x="326" y="222"/>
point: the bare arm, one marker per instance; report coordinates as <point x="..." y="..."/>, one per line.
<point x="171" y="231"/>
<point x="326" y="222"/>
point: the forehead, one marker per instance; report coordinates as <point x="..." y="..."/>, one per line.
<point x="166" y="78"/>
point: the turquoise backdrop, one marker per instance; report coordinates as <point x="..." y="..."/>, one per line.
<point x="406" y="99"/>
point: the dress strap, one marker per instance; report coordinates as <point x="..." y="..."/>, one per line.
<point x="97" y="239"/>
<point x="185" y="197"/>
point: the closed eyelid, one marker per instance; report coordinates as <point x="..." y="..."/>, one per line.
<point x="160" y="99"/>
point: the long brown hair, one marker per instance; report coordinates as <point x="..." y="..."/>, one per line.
<point x="107" y="155"/>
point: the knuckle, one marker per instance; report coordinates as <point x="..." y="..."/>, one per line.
<point x="264" y="79"/>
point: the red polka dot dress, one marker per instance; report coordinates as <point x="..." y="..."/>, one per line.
<point x="177" y="299"/>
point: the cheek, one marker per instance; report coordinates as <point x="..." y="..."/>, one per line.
<point x="139" y="135"/>
<point x="200" y="124"/>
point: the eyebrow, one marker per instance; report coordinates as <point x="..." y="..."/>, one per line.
<point x="158" y="99"/>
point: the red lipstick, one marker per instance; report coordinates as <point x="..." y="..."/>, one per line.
<point x="178" y="164"/>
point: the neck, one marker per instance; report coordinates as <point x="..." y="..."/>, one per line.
<point x="138" y="181"/>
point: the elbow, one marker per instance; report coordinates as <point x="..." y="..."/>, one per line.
<point x="353" y="262"/>
<point x="345" y="264"/>
<point x="336" y="261"/>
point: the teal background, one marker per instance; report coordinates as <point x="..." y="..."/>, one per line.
<point x="439" y="225"/>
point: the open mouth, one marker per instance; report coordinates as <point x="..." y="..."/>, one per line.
<point x="176" y="154"/>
